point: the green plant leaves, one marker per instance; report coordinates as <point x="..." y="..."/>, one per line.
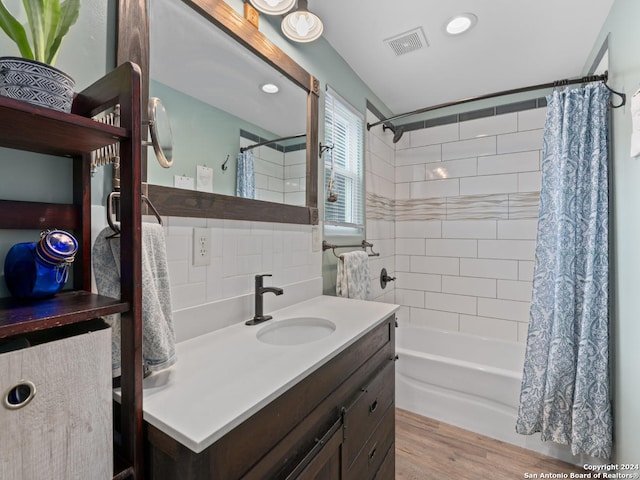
<point x="36" y="20"/>
<point x="15" y="31"/>
<point x="68" y="15"/>
<point x="48" y="21"/>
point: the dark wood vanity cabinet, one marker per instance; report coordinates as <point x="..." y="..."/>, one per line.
<point x="337" y="423"/>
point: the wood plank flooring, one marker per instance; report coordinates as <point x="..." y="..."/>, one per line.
<point x="429" y="450"/>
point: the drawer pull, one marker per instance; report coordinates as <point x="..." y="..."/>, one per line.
<point x="372" y="454"/>
<point x="373" y="406"/>
<point x="19" y="395"/>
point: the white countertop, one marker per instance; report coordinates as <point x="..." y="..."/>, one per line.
<point x="223" y="377"/>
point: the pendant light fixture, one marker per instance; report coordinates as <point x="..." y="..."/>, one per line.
<point x="273" y="7"/>
<point x="301" y="25"/>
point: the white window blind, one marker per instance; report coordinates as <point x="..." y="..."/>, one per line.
<point x="344" y="129"/>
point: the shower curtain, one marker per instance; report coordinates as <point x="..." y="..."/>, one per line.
<point x="245" y="177"/>
<point x="565" y="385"/>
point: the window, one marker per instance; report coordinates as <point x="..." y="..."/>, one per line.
<point x="343" y="128"/>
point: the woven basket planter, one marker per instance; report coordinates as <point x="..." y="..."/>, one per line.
<point x="36" y="83"/>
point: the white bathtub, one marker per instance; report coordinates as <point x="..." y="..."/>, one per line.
<point x="467" y="381"/>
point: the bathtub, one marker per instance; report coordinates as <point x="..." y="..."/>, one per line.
<point x="467" y="381"/>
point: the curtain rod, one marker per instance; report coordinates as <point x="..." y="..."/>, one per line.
<point x="558" y="83"/>
<point x="267" y="142"/>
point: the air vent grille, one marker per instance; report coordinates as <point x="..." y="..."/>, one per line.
<point x="407" y="42"/>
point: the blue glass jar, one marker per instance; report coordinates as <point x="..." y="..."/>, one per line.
<point x="40" y="269"/>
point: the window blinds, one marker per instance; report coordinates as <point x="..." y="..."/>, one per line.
<point x="344" y="129"/>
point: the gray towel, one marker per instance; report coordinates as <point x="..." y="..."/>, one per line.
<point x="158" y="337"/>
<point x="353" y="276"/>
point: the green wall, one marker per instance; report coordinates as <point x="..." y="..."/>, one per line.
<point x="623" y="34"/>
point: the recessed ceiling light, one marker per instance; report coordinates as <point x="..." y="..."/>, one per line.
<point x="461" y="23"/>
<point x="269" y="88"/>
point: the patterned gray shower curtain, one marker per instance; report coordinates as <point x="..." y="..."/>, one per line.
<point x="245" y="175"/>
<point x="565" y="391"/>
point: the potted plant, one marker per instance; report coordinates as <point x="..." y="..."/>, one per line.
<point x="32" y="77"/>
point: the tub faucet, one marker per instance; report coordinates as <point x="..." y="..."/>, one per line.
<point x="259" y="316"/>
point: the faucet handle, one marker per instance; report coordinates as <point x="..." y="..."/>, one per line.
<point x="259" y="279"/>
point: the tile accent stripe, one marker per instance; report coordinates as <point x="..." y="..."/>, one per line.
<point x="478" y="207"/>
<point x="513" y="206"/>
<point x="379" y="207"/>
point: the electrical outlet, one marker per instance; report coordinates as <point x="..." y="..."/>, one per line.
<point x="201" y="247"/>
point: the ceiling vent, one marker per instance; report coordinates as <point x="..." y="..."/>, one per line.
<point x="407" y="42"/>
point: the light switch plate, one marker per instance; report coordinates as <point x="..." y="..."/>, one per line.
<point x="315" y="239"/>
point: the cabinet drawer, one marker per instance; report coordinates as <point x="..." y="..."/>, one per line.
<point x="387" y="470"/>
<point x="323" y="462"/>
<point x="365" y="413"/>
<point x="370" y="458"/>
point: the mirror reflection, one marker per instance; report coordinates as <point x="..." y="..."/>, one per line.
<point x="211" y="87"/>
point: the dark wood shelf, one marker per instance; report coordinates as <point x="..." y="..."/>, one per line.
<point x="42" y="130"/>
<point x="37" y="215"/>
<point x="18" y="317"/>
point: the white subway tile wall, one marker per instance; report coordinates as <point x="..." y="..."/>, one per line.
<point x="466" y="216"/>
<point x="239" y="251"/>
<point x="380" y="181"/>
<point x="279" y="177"/>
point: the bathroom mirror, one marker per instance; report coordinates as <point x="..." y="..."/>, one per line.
<point x="252" y="46"/>
<point x="160" y="129"/>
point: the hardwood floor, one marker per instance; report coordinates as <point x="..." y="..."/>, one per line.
<point x="429" y="450"/>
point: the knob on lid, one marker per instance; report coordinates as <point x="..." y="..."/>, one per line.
<point x="57" y="246"/>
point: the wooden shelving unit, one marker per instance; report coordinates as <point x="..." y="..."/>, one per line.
<point x="76" y="135"/>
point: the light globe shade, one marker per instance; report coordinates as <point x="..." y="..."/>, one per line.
<point x="302" y="26"/>
<point x="273" y="7"/>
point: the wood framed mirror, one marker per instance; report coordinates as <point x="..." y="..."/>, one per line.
<point x="134" y="45"/>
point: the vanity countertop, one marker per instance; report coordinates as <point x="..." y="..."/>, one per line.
<point x="225" y="376"/>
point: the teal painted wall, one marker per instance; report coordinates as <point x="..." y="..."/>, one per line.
<point x="623" y="34"/>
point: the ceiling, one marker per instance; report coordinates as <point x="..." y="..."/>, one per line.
<point x="515" y="43"/>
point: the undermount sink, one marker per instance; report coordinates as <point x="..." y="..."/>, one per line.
<point x="296" y="331"/>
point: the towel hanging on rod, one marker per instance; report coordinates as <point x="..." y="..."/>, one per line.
<point x="364" y="245"/>
<point x="110" y="208"/>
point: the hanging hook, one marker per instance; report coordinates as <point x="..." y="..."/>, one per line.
<point x="324" y="148"/>
<point x="224" y="165"/>
<point x="623" y="96"/>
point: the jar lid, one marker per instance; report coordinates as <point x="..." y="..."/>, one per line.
<point x="57" y="246"/>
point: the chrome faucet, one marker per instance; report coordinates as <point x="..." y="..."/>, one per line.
<point x="259" y="316"/>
